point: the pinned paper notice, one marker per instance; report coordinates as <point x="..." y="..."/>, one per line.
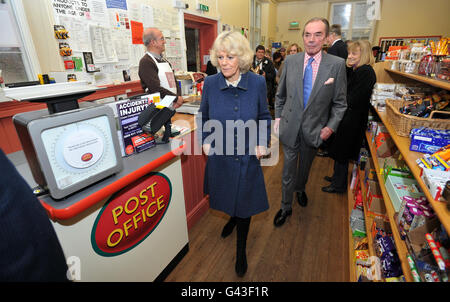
<point x="166" y="101"/>
<point x="137" y="29"/>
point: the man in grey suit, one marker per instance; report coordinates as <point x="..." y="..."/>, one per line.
<point x="309" y="104"/>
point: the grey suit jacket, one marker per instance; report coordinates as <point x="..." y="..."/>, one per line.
<point x="327" y="102"/>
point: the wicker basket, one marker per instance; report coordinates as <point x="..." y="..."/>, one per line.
<point x="403" y="123"/>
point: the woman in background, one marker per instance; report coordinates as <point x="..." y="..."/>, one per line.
<point x="277" y="60"/>
<point x="234" y="178"/>
<point x="349" y="136"/>
<point x="292" y="50"/>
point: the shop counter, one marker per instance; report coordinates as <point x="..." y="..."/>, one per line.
<point x="130" y="226"/>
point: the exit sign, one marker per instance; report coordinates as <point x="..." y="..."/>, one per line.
<point x="202" y="7"/>
<point x="294" y="25"/>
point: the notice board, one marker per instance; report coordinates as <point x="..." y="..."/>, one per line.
<point x="112" y="31"/>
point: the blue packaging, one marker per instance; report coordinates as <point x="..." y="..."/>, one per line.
<point x="427" y="140"/>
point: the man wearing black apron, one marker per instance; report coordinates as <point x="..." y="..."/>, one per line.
<point x="155" y="72"/>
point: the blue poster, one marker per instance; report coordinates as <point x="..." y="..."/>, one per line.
<point x="120" y="4"/>
<point x="134" y="138"/>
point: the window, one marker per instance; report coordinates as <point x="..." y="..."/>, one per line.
<point x="255" y="23"/>
<point x="18" y="60"/>
<point x="352" y="16"/>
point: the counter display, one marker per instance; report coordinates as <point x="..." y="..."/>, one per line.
<point x="133" y="221"/>
<point x="117" y="219"/>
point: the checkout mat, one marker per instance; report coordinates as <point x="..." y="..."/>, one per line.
<point x="190" y="107"/>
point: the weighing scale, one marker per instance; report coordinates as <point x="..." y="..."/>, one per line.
<point x="67" y="148"/>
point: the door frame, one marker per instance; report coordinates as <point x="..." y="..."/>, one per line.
<point x="207" y="33"/>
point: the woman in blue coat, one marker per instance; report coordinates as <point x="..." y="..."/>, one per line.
<point x="235" y="132"/>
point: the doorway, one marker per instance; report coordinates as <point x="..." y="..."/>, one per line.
<point x="192" y="49"/>
<point x="200" y="34"/>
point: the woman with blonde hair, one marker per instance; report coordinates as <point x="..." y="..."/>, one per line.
<point x="294" y="48"/>
<point x="349" y="136"/>
<point x="233" y="100"/>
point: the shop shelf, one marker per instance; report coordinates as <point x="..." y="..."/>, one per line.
<point x="421" y="78"/>
<point x="410" y="158"/>
<point x="351" y="245"/>
<point x="402" y="250"/>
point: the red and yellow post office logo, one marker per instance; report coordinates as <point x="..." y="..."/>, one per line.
<point x="131" y="215"/>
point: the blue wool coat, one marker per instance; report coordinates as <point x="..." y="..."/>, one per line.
<point x="234" y="120"/>
<point x="29" y="250"/>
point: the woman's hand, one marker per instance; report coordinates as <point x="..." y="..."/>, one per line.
<point x="260" y="151"/>
<point x="206" y="148"/>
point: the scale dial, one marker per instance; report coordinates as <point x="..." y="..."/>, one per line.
<point x="79" y="150"/>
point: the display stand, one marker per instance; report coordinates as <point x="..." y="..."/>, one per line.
<point x="153" y="248"/>
<point x="385" y="75"/>
<point x="400" y="245"/>
<point x="129" y="226"/>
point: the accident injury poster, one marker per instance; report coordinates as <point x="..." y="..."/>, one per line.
<point x="134" y="139"/>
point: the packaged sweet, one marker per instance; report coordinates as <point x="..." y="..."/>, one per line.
<point x="391" y="267"/>
<point x="362" y="244"/>
<point x="428" y="140"/>
<point x="361" y="256"/>
<point x="435" y="251"/>
<point x="396" y="279"/>
<point x="414" y="271"/>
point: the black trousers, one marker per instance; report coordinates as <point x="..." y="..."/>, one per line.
<point x="340" y="175"/>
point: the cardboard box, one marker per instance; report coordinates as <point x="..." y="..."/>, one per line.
<point x="375" y="201"/>
<point x="381" y="224"/>
<point x="435" y="181"/>
<point x="416" y="237"/>
<point x="397" y="187"/>
<point x="373" y="187"/>
<point x="396" y="167"/>
<point x="385" y="145"/>
<point x="376" y="206"/>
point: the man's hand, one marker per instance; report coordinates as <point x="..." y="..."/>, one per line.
<point x="178" y="102"/>
<point x="276" y="126"/>
<point x="325" y="133"/>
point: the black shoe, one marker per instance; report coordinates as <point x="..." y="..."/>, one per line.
<point x="331" y="189"/>
<point x="229" y="227"/>
<point x="322" y="153"/>
<point x="302" y="199"/>
<point x="328" y="178"/>
<point x="280" y="217"/>
<point x="241" y="265"/>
